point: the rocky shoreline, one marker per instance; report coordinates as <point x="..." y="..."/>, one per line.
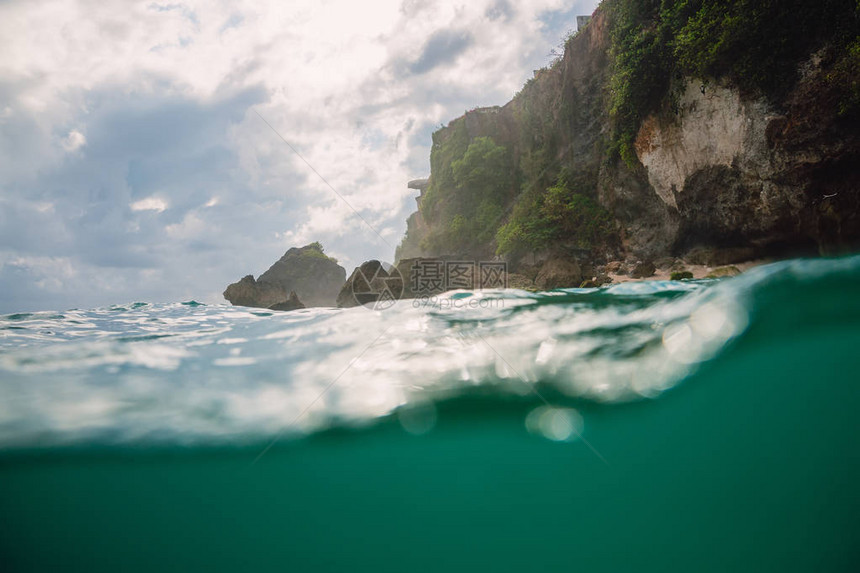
<point x="616" y="272"/>
<point x="378" y="285"/>
<point x="696" y="272"/>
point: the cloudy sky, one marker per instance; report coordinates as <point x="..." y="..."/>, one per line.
<point x="136" y="163"/>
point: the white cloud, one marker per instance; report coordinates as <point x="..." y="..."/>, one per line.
<point x="149" y="204"/>
<point x="74" y="141"/>
<point x="192" y="226"/>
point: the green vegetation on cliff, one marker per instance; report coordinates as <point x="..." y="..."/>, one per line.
<point x="466" y="201"/>
<point x="471" y="203"/>
<point x="754" y="44"/>
<point x="564" y="213"/>
<point x="845" y="77"/>
<point x="315" y="250"/>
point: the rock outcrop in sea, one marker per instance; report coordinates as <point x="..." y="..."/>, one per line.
<point x="303" y="277"/>
<point x="409" y="278"/>
<point x="366" y="283"/>
<point x="292" y="303"/>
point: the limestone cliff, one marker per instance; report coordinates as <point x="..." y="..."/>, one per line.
<point x="736" y="171"/>
<point x="711" y="162"/>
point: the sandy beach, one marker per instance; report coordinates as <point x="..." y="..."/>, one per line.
<point x="698" y="271"/>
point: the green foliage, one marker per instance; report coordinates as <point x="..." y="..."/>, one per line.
<point x="468" y="196"/>
<point x="459" y="230"/>
<point x="482" y="174"/>
<point x="562" y="213"/>
<point x="484" y="163"/>
<point x="758" y="44"/>
<point x="448" y="145"/>
<point x="681" y="275"/>
<point x="845" y="77"/>
<point x="487" y="220"/>
<point x="526" y="228"/>
<point x="576" y="217"/>
<point x="642" y="69"/>
<point x="315" y="250"/>
<point x="510" y="237"/>
<point x="755" y="44"/>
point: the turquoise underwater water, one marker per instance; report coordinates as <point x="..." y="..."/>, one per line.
<point x="695" y="426"/>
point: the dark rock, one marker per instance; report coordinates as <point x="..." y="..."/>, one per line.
<point x="528" y="271"/>
<point x="730" y="271"/>
<point x="370" y="283"/>
<point x="587" y="269"/>
<point x="719" y="219"/>
<point x="427" y="276"/>
<point x="292" y="303"/>
<point x="559" y="273"/>
<point x="419" y="184"/>
<point x="315" y="278"/>
<point x="249" y="292"/>
<point x="521" y="282"/>
<point x="643" y="270"/>
<point x="717" y="257"/>
<point x="650" y="228"/>
<point x="596" y="282"/>
<point x="417" y="276"/>
<point x="678" y="265"/>
<point x="665" y="263"/>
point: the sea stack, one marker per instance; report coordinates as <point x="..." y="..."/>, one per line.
<point x="305" y="276"/>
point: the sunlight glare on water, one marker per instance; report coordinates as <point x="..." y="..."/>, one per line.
<point x="194" y="373"/>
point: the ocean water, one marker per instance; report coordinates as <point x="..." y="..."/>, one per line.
<point x="658" y="426"/>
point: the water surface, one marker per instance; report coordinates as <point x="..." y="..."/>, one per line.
<point x="704" y="426"/>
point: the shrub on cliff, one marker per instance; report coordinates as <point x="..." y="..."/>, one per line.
<point x="845" y="77"/>
<point x="315" y="250"/>
<point x="642" y="68"/>
<point x="560" y="214"/>
<point x="444" y="152"/>
<point x="466" y="207"/>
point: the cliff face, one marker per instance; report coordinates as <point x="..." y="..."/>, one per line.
<point x="735" y="171"/>
<point x="715" y="166"/>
